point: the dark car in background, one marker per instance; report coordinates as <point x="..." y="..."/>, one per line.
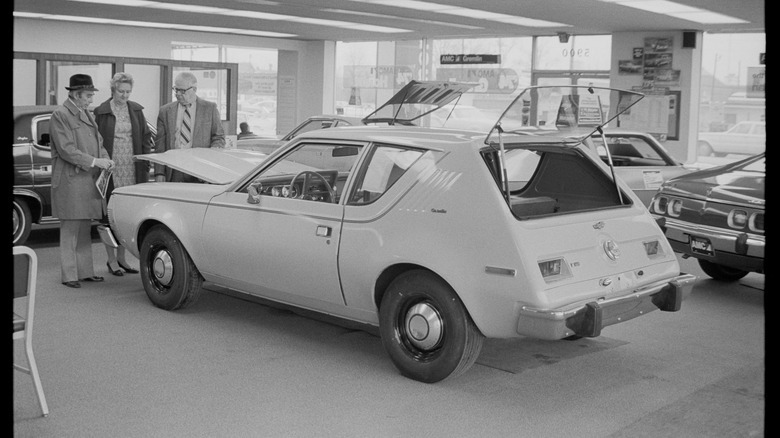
<point x="32" y="169"/>
<point x="717" y="216"/>
<point x="268" y="145"/>
<point x="640" y="160"/>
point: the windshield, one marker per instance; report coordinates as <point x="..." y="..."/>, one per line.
<point x="567" y="111"/>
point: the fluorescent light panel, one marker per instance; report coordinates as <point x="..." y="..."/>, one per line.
<point x="677" y="10"/>
<point x="211" y="29"/>
<point x="418" y="5"/>
<point x="196" y="9"/>
<point x="395" y="17"/>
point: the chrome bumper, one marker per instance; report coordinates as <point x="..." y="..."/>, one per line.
<point x="588" y="319"/>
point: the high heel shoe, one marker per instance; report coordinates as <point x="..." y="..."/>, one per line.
<point x="118" y="272"/>
<point x="127" y="269"/>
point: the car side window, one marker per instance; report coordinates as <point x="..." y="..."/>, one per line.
<point x="385" y="165"/>
<point x="41" y="132"/>
<point x="632" y="151"/>
<point x="310" y="171"/>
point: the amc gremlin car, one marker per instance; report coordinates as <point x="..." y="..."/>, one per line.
<point x="717" y="216"/>
<point x="438" y="237"/>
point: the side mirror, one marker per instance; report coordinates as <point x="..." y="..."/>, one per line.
<point x="254" y="193"/>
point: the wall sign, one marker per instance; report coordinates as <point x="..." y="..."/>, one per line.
<point x="469" y="59"/>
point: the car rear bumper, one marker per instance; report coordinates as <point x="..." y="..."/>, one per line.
<point x="588" y="319"/>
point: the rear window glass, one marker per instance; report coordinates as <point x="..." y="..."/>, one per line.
<point x="545" y="182"/>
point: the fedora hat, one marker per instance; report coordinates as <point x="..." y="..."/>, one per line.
<point x="81" y="82"/>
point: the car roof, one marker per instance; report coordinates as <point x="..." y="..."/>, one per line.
<point x="32" y="110"/>
<point x="423" y="137"/>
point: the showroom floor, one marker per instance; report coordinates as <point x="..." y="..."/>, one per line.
<point x="114" y="365"/>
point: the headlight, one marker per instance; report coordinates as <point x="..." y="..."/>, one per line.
<point x="738" y="219"/>
<point x="659" y="204"/>
<point x="756" y="222"/>
<point x="675" y="207"/>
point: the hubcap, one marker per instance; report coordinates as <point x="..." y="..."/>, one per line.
<point x="424" y="326"/>
<point x="162" y="267"/>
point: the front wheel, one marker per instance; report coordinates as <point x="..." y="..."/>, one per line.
<point x="425" y="328"/>
<point x="720" y="272"/>
<point x="169" y="276"/>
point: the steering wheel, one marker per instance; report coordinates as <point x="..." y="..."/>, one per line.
<point x="307" y="177"/>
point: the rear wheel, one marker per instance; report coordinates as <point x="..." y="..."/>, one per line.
<point x="720" y="272"/>
<point x="169" y="276"/>
<point x="425" y="328"/>
<point x="22" y="221"/>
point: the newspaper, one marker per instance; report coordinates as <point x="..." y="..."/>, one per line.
<point x="102" y="181"/>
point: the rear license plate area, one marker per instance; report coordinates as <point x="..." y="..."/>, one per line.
<point x="700" y="245"/>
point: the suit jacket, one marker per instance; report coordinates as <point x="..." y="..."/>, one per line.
<point x="207" y="130"/>
<point x="143" y="143"/>
<point x="75" y="142"/>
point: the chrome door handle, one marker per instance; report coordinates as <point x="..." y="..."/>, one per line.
<point x="323" y="231"/>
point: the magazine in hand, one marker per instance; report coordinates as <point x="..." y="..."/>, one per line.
<point x="107" y="236"/>
<point x="102" y="181"/>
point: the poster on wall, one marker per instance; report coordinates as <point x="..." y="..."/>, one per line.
<point x="657" y="114"/>
<point x="629" y="67"/>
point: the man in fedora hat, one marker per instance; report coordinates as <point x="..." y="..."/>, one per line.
<point x="78" y="156"/>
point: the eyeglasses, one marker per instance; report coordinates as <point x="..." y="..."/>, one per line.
<point x="181" y="90"/>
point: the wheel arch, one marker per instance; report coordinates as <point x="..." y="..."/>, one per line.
<point x="392" y="272"/>
<point x="34" y="203"/>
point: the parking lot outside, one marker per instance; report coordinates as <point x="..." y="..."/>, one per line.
<point x="112" y="364"/>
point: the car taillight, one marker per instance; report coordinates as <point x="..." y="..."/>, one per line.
<point x="554" y="269"/>
<point x="738" y="219"/>
<point x="756" y="222"/>
<point x="652" y="248"/>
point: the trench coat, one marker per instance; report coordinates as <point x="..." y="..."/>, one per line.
<point x="75" y="142"/>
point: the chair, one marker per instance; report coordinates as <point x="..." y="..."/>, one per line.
<point x="25" y="273"/>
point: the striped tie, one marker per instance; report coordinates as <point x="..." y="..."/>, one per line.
<point x="185" y="132"/>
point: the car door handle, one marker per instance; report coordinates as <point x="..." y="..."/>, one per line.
<point x="323" y="231"/>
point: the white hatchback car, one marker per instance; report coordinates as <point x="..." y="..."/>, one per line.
<point x="439" y="237"/>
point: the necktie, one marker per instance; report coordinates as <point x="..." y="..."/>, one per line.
<point x="185" y="132"/>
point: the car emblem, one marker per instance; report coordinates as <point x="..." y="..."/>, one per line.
<point x="611" y="249"/>
<point x="598" y="225"/>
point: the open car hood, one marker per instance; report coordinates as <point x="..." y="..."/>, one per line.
<point x="416" y="99"/>
<point x="216" y="166"/>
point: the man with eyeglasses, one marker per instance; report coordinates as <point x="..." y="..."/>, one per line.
<point x="188" y="122"/>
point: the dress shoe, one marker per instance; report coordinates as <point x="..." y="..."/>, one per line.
<point x="127" y="269"/>
<point x="94" y="278"/>
<point x="74" y="284"/>
<point x="117" y="272"/>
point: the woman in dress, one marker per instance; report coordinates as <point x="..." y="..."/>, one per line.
<point x="122" y="125"/>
